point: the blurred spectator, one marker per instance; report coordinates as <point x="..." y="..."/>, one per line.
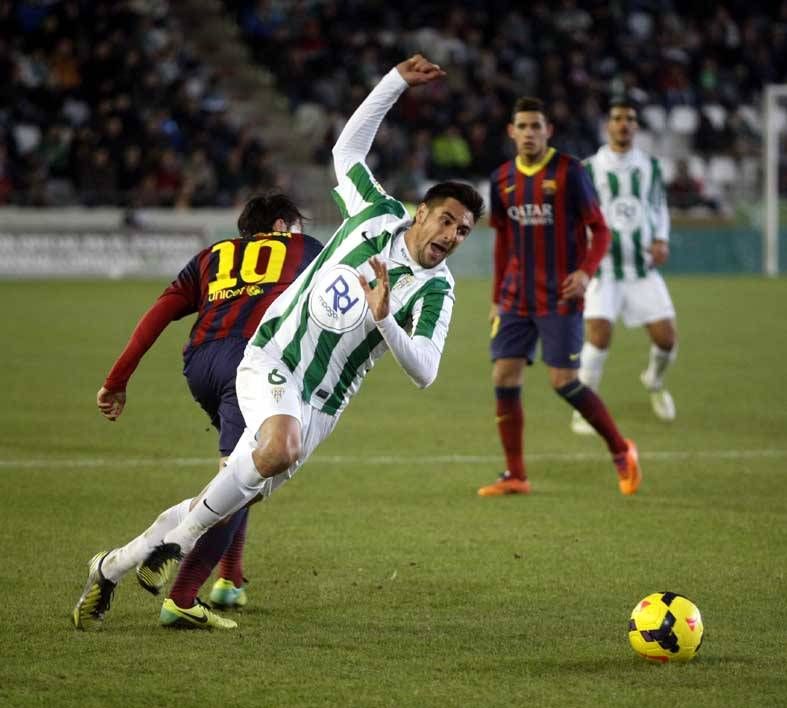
<point x="686" y="192"/>
<point x="130" y="174"/>
<point x="199" y="181"/>
<point x="169" y="177"/>
<point x="6" y="175"/>
<point x="98" y="182"/>
<point x="450" y="154"/>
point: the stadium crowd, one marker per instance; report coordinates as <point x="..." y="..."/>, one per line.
<point x="102" y="104"/>
<point x="106" y="105"/>
<point x="574" y="54"/>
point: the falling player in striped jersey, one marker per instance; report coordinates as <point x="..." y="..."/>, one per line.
<point x="380" y="283"/>
<point x="542" y="205"/>
<point x="627" y="284"/>
<point x="229" y="285"/>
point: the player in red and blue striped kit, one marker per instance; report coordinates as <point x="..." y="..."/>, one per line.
<point x="542" y="205"/>
<point x="229" y="285"/>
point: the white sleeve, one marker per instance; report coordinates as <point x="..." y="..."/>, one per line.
<point x="661" y="217"/>
<point x="418" y="356"/>
<point x="356" y="186"/>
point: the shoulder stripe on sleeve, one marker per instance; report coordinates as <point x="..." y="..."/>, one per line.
<point x="340" y="203"/>
<point x="368" y="187"/>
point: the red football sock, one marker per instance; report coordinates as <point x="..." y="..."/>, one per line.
<point x="193" y="571"/>
<point x="511" y="427"/>
<point x="231" y="566"/>
<point x="593" y="410"/>
<point x="197" y="565"/>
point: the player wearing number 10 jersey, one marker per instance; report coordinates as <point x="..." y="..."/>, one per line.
<point x="229" y="285"/>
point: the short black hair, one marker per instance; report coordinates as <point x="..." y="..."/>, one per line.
<point x="463" y="193"/>
<point x="528" y="104"/>
<point x="622" y="101"/>
<point x="260" y="213"/>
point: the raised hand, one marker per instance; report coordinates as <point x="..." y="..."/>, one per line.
<point x="419" y="70"/>
<point x="110" y="403"/>
<point x="377" y="298"/>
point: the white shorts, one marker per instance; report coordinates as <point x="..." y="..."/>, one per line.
<point x="638" y="302"/>
<point x="265" y="387"/>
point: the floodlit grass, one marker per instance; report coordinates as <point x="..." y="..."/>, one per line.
<point x="378" y="577"/>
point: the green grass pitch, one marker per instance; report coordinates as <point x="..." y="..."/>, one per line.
<point x="378" y="577"/>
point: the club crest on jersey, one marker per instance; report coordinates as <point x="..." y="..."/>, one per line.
<point x="336" y="301"/>
<point x="625" y="214"/>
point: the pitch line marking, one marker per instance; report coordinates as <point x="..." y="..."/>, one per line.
<point x="398" y="459"/>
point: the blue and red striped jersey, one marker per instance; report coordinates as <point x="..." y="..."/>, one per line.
<point x="541" y="215"/>
<point x="231" y="283"/>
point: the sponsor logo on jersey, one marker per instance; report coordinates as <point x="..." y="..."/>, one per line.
<point x="228" y="293"/>
<point x="337" y="302"/>
<point x="531" y="214"/>
<point x="625" y="214"/>
<point x="404" y="281"/>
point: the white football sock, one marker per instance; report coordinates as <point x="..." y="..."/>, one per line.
<point x="658" y="363"/>
<point x="231" y="489"/>
<point x="120" y="560"/>
<point x="592" y="362"/>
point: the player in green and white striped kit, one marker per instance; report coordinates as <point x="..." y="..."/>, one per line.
<point x="627" y="285"/>
<point x="380" y="283"/>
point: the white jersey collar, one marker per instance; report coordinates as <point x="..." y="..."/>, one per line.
<point x="617" y="160"/>
<point x="400" y="254"/>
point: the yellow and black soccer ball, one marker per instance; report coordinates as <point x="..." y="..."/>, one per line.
<point x="666" y="626"/>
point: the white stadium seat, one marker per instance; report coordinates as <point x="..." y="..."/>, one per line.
<point x="654" y="118"/>
<point x="722" y="170"/>
<point x="683" y="120"/>
<point x="697" y="167"/>
<point x="751" y="116"/>
<point x="646" y="141"/>
<point x="667" y="169"/>
<point x="716" y="114"/>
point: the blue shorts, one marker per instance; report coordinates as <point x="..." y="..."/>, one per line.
<point x="515" y="337"/>
<point x="210" y="371"/>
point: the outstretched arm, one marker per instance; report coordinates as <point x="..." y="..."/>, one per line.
<point x="356" y="139"/>
<point x="111" y="397"/>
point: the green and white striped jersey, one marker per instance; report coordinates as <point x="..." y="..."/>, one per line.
<point x="321" y="327"/>
<point x="631" y="191"/>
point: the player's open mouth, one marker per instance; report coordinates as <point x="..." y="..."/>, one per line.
<point x="437" y="250"/>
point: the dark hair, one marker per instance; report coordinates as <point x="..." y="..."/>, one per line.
<point x="463" y="193"/>
<point x="622" y="101"/>
<point x="260" y="213"/>
<point x="528" y="104"/>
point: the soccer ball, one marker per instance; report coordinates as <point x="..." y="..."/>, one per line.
<point x="665" y="627"/>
